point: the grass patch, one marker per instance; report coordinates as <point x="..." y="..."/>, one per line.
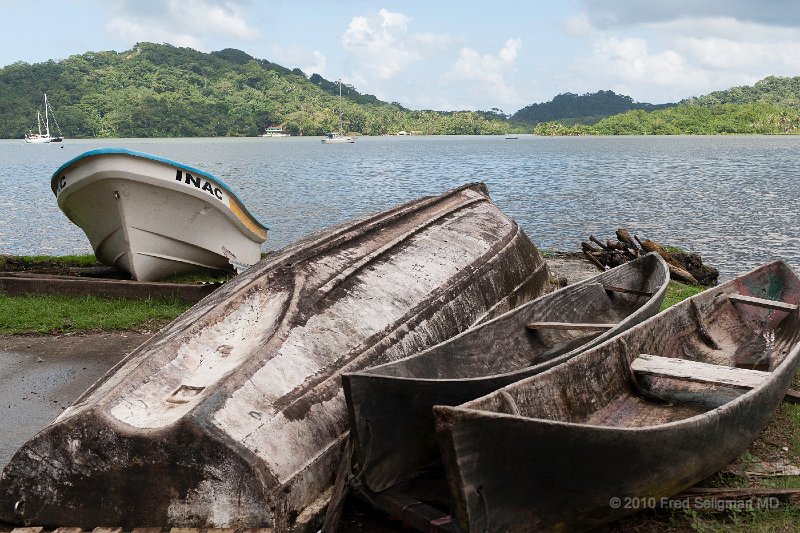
<point x="193" y="278"/>
<point x="60" y="314"/>
<point x="17" y="262"/>
<point x="677" y="291"/>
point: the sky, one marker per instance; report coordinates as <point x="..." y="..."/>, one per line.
<point x="445" y="54"/>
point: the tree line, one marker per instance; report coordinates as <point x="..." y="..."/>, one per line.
<point x="158" y="90"/>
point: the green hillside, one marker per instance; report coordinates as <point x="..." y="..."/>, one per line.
<point x="589" y="108"/>
<point x="774" y="90"/>
<point x="769" y="107"/>
<point x="157" y="90"/>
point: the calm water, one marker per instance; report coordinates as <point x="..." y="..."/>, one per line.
<point x="735" y="200"/>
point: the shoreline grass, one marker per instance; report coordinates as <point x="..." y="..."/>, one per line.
<point x="36" y="314"/>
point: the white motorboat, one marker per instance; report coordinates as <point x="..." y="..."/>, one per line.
<point x="336" y="137"/>
<point x="153" y="217"/>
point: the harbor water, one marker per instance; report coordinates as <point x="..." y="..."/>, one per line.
<point x="733" y="199"/>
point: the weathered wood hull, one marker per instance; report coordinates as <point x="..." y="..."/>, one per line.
<point x="585" y="450"/>
<point x="390" y="406"/>
<point x="233" y="415"/>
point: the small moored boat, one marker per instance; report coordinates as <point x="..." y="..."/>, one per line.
<point x="390" y="406"/>
<point x="234" y="415"/>
<point x="46" y="137"/>
<point x="152" y="217"/>
<point x="637" y="418"/>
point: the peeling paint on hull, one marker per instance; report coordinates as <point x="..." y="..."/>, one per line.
<point x="234" y="415"/>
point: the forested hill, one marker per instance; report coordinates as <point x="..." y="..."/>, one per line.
<point x="589" y="108"/>
<point x="784" y="92"/>
<point x="158" y="90"/>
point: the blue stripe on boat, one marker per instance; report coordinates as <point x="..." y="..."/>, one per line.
<point x="134" y="153"/>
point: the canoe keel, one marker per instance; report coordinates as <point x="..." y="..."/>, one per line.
<point x="234" y="415"/>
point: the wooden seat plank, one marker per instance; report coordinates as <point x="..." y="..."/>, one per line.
<point x="697" y="372"/>
<point x="761" y="302"/>
<point x="569" y="325"/>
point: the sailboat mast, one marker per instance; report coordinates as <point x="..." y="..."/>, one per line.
<point x="46" y="117"/>
<point x="341" y="118"/>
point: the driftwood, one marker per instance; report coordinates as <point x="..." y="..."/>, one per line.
<point x="685" y="267"/>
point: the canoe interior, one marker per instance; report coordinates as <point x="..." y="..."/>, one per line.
<point x="550" y="452"/>
<point x="390" y="406"/>
<point x="597" y="390"/>
<point x="505" y="345"/>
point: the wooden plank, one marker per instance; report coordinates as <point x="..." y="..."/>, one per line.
<point x="792" y="396"/>
<point x="146" y="530"/>
<point x="611" y="288"/>
<point x="761" y="302"/>
<point x="37" y="529"/>
<point x="21" y="284"/>
<point x="698" y="372"/>
<point x="107" y="530"/>
<point x="68" y="530"/>
<point x="569" y="325"/>
<point x="412" y="512"/>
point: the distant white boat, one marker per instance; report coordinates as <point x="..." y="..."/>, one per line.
<point x="153" y="217"/>
<point x="338" y="137"/>
<point x="39" y="137"/>
<point x="512" y="137"/>
<point x="274" y="131"/>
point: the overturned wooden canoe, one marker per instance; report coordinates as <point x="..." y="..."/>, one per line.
<point x="390" y="406"/>
<point x="634" y="420"/>
<point x="233" y="415"/>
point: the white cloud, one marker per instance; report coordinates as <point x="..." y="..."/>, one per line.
<point x="309" y="61"/>
<point x="671" y="58"/>
<point x="490" y="74"/>
<point x="179" y="22"/>
<point x="382" y="45"/>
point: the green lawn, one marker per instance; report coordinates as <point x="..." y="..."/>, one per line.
<point x="58" y="314"/>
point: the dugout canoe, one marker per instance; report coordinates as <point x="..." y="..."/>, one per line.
<point x="153" y="217"/>
<point x="234" y="415"/>
<point x="390" y="406"/>
<point x="640" y="417"/>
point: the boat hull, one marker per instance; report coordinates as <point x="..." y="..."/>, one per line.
<point x="584" y="446"/>
<point x="390" y="406"/>
<point x="234" y="416"/>
<point x="154" y="218"/>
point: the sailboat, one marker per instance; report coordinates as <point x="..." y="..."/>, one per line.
<point x="40" y="138"/>
<point x="335" y="137"/>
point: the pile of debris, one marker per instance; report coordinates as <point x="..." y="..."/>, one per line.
<point x="685" y="267"/>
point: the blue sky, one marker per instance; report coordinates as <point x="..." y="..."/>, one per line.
<point x="445" y="54"/>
